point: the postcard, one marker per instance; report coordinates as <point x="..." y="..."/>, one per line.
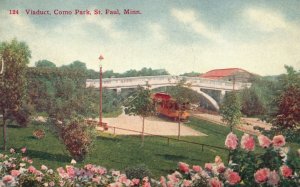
<point x="123" y="62"/>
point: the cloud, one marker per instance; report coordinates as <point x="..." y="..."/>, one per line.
<point x="157" y="31"/>
<point x="189" y="18"/>
<point x="268" y="20"/>
<point x="108" y="25"/>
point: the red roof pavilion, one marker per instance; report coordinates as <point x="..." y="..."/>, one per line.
<point x="222" y="73"/>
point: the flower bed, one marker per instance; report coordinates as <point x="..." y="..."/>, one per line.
<point x="273" y="167"/>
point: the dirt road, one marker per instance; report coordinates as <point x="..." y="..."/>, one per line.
<point x="153" y="125"/>
<point x="247" y="124"/>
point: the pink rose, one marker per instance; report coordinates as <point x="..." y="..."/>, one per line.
<point x="96" y="180"/>
<point x="232" y="177"/>
<point x="278" y="141"/>
<point x="264" y="141"/>
<point x="25" y="159"/>
<point x="116" y="184"/>
<point x="135" y="181"/>
<point x="214" y="182"/>
<point x="183" y="167"/>
<point x="8" y="179"/>
<point x="101" y="171"/>
<point x="231" y="141"/>
<point x="208" y="166"/>
<point x="162" y="181"/>
<point x="43" y="167"/>
<point x="186" y="183"/>
<point x="221" y="168"/>
<point x="70" y="171"/>
<point x="247" y="142"/>
<point x="23" y="150"/>
<point x="197" y="169"/>
<point x="39" y="179"/>
<point x="261" y="175"/>
<point x="51" y="183"/>
<point x="12" y="151"/>
<point x="31" y="169"/>
<point x="273" y="178"/>
<point x="170" y="184"/>
<point x="62" y="173"/>
<point x="88" y="167"/>
<point x="173" y="178"/>
<point x="146" y="184"/>
<point x="15" y="173"/>
<point x="286" y="171"/>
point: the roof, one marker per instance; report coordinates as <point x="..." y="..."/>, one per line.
<point x="161" y="95"/>
<point x="220" y="73"/>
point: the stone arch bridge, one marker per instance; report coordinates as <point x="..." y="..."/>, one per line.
<point x="196" y="83"/>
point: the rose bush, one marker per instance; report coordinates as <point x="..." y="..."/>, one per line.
<point x="272" y="167"/>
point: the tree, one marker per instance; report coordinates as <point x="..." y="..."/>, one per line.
<point x="183" y="96"/>
<point x="77" y="65"/>
<point x="288" y="114"/>
<point x="44" y="64"/>
<point x="230" y="110"/>
<point x="78" y="138"/>
<point x="251" y="103"/>
<point x="183" y="99"/>
<point x="191" y="74"/>
<point x="15" y="56"/>
<point x="140" y="104"/>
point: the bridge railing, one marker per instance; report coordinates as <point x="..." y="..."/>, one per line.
<point x="166" y="80"/>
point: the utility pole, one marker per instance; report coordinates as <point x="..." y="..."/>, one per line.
<point x="100" y="94"/>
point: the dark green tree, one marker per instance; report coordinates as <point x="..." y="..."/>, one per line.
<point x="15" y="56"/>
<point x="44" y="64"/>
<point x="76" y="65"/>
<point x="191" y="74"/>
<point x="230" y="110"/>
<point x="140" y="104"/>
<point x="251" y="103"/>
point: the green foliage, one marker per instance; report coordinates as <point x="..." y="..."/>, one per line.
<point x="77" y="136"/>
<point x="138" y="172"/>
<point x="76" y="65"/>
<point x="15" y="56"/>
<point x="230" y="110"/>
<point x="131" y="73"/>
<point x="284" y="108"/>
<point x="44" y="64"/>
<point x="251" y="103"/>
<point x="144" y="72"/>
<point x="288" y="114"/>
<point x="191" y="74"/>
<point x="140" y="103"/>
<point x="61" y="92"/>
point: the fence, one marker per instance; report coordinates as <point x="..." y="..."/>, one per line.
<point x="106" y="127"/>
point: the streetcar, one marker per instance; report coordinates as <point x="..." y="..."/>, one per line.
<point x="167" y="106"/>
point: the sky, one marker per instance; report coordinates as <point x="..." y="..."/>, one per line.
<point x="260" y="36"/>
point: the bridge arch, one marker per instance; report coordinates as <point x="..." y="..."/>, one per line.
<point x="211" y="100"/>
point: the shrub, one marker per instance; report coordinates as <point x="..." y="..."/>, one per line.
<point x="138" y="172"/>
<point x="77" y="137"/>
<point x="39" y="133"/>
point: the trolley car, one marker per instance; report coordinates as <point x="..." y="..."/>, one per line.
<point x="167" y="106"/>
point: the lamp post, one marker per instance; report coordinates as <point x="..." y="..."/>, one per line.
<point x="2" y="65"/>
<point x="100" y="94"/>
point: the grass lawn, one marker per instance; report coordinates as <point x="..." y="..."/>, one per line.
<point x="119" y="152"/>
